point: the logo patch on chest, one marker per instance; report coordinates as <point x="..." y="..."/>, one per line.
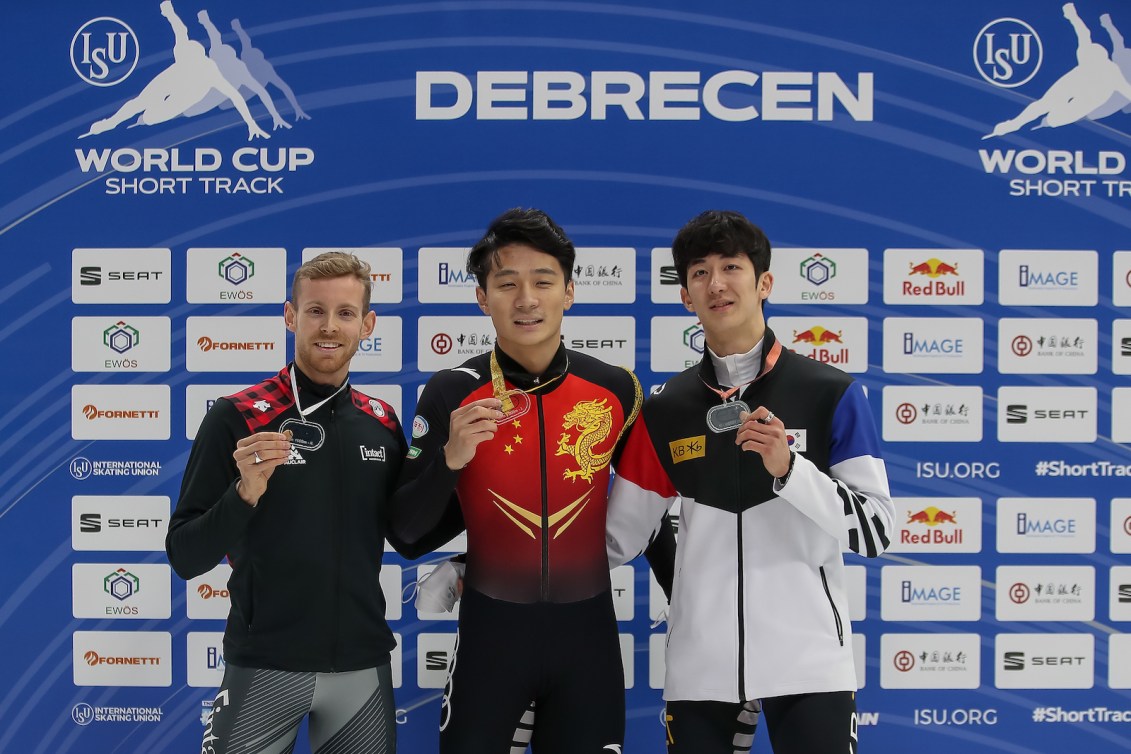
<point x="594" y="422"/>
<point x="688" y="448"/>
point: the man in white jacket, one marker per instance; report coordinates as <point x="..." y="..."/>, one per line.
<point x="776" y="460"/>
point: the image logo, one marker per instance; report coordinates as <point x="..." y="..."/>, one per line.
<point x="121" y="584"/>
<point x="82" y="714"/>
<point x="1008" y="52"/>
<point x="818" y="336"/>
<point x="1022" y="345"/>
<point x="1019" y="593"/>
<point x="933" y="268"/>
<point x="120" y="337"/>
<point x="818" y="269"/>
<point x="196" y="82"/>
<point x="104" y="51"/>
<point x="932" y="516"/>
<point x="694" y="338"/>
<point x="237" y="269"/>
<point x="1097" y="87"/>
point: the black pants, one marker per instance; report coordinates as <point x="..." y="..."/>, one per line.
<point x="798" y="724"/>
<point x="563" y="656"/>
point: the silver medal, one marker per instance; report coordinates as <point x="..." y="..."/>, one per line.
<point x="726" y="416"/>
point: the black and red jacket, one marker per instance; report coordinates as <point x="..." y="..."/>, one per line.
<point x="306" y="560"/>
<point x="534" y="497"/>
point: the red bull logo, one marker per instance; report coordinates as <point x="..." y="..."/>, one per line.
<point x="934" y="268"/>
<point x="817" y="336"/>
<point x="936" y="271"/>
<point x="931" y="516"/>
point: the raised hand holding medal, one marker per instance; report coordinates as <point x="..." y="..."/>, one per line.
<point x="763" y="433"/>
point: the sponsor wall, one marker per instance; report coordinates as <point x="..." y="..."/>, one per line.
<point x="947" y="189"/>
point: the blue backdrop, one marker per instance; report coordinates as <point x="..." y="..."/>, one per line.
<point x="946" y="188"/>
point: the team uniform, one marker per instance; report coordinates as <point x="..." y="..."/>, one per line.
<point x="536" y="617"/>
<point x="759" y="613"/>
<point x="306" y="631"/>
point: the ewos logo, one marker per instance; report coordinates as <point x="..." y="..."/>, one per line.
<point x="104" y="51"/>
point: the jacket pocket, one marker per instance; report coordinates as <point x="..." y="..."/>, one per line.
<point x="832" y="605"/>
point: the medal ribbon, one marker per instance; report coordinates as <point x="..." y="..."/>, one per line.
<point x="771" y="361"/>
<point x="316" y="406"/>
<point x="499" y="385"/>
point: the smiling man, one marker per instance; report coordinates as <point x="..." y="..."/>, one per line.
<point x="275" y="482"/>
<point x="521" y="440"/>
<point x="776" y="459"/>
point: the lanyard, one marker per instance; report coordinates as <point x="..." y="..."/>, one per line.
<point x="499" y="385"/>
<point x="771" y="361"/>
<point x="316" y="406"/>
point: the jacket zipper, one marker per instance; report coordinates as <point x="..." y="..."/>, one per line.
<point x="545" y="587"/>
<point x="836" y="613"/>
<point x="337" y="545"/>
<point x="741" y="581"/>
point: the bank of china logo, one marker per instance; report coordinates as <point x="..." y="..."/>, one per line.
<point x="120" y="337"/>
<point x="121" y="584"/>
<point x="1098" y="86"/>
<point x="196" y="82"/>
<point x="931" y="516"/>
<point x="104" y="51"/>
<point x="818" y="269"/>
<point x="82" y="713"/>
<point x="694" y="338"/>
<point x="236" y="269"/>
<point x="818" y="336"/>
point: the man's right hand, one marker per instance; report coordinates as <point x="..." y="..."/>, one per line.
<point x="257" y="456"/>
<point x="469" y="426"/>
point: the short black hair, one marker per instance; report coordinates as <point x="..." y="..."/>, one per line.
<point x="723" y="232"/>
<point x="531" y="227"/>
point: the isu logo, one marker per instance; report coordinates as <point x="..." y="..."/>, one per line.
<point x="931" y="516"/>
<point x="207" y="592"/>
<point x="818" y="336"/>
<point x="206" y="344"/>
<point x="934" y="268"/>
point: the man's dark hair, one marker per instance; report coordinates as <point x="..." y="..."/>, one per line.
<point x="722" y="232"/>
<point x="530" y="227"/>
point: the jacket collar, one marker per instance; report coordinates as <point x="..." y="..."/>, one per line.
<point x="771" y="351"/>
<point x="516" y="374"/>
